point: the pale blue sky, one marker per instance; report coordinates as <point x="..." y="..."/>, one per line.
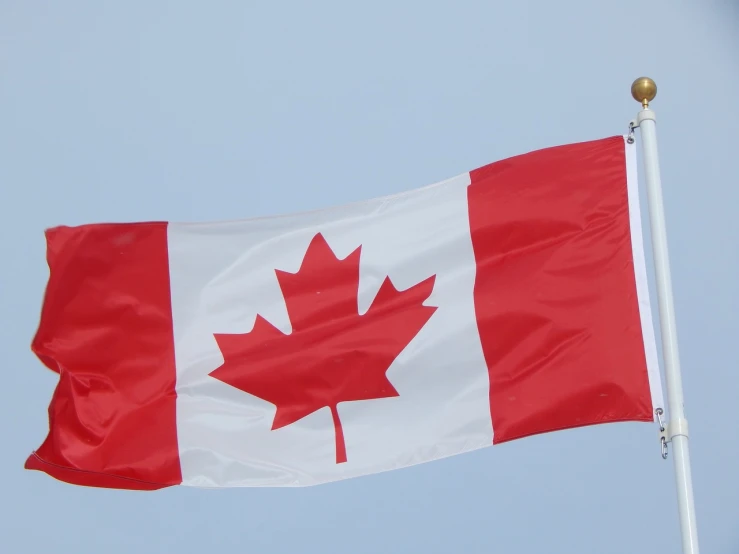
<point x="138" y="110"/>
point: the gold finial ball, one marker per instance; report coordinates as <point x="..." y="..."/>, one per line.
<point x="644" y="90"/>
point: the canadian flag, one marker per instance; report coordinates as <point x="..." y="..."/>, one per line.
<point x="284" y="351"/>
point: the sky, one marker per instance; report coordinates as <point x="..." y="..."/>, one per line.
<point x="198" y="111"/>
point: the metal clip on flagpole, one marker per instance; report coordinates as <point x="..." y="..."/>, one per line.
<point x="675" y="431"/>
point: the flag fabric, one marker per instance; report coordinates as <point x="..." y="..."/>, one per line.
<point x="295" y="350"/>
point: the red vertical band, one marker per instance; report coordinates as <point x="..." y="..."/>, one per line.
<point x="555" y="292"/>
<point x="106" y="328"/>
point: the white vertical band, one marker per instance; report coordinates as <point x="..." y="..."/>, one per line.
<point x="642" y="284"/>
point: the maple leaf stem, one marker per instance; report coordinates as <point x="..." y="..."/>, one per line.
<point x="340" y="445"/>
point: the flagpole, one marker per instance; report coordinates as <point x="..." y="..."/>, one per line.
<point x="676" y="432"/>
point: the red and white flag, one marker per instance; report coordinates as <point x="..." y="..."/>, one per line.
<point x="283" y="351"/>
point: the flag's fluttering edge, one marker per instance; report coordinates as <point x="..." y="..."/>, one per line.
<point x="506" y="302"/>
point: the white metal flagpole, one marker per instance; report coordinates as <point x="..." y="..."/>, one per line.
<point x="676" y="431"/>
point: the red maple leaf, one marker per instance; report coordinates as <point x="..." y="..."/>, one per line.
<point x="333" y="354"/>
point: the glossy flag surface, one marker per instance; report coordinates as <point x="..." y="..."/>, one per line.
<point x="295" y="350"/>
